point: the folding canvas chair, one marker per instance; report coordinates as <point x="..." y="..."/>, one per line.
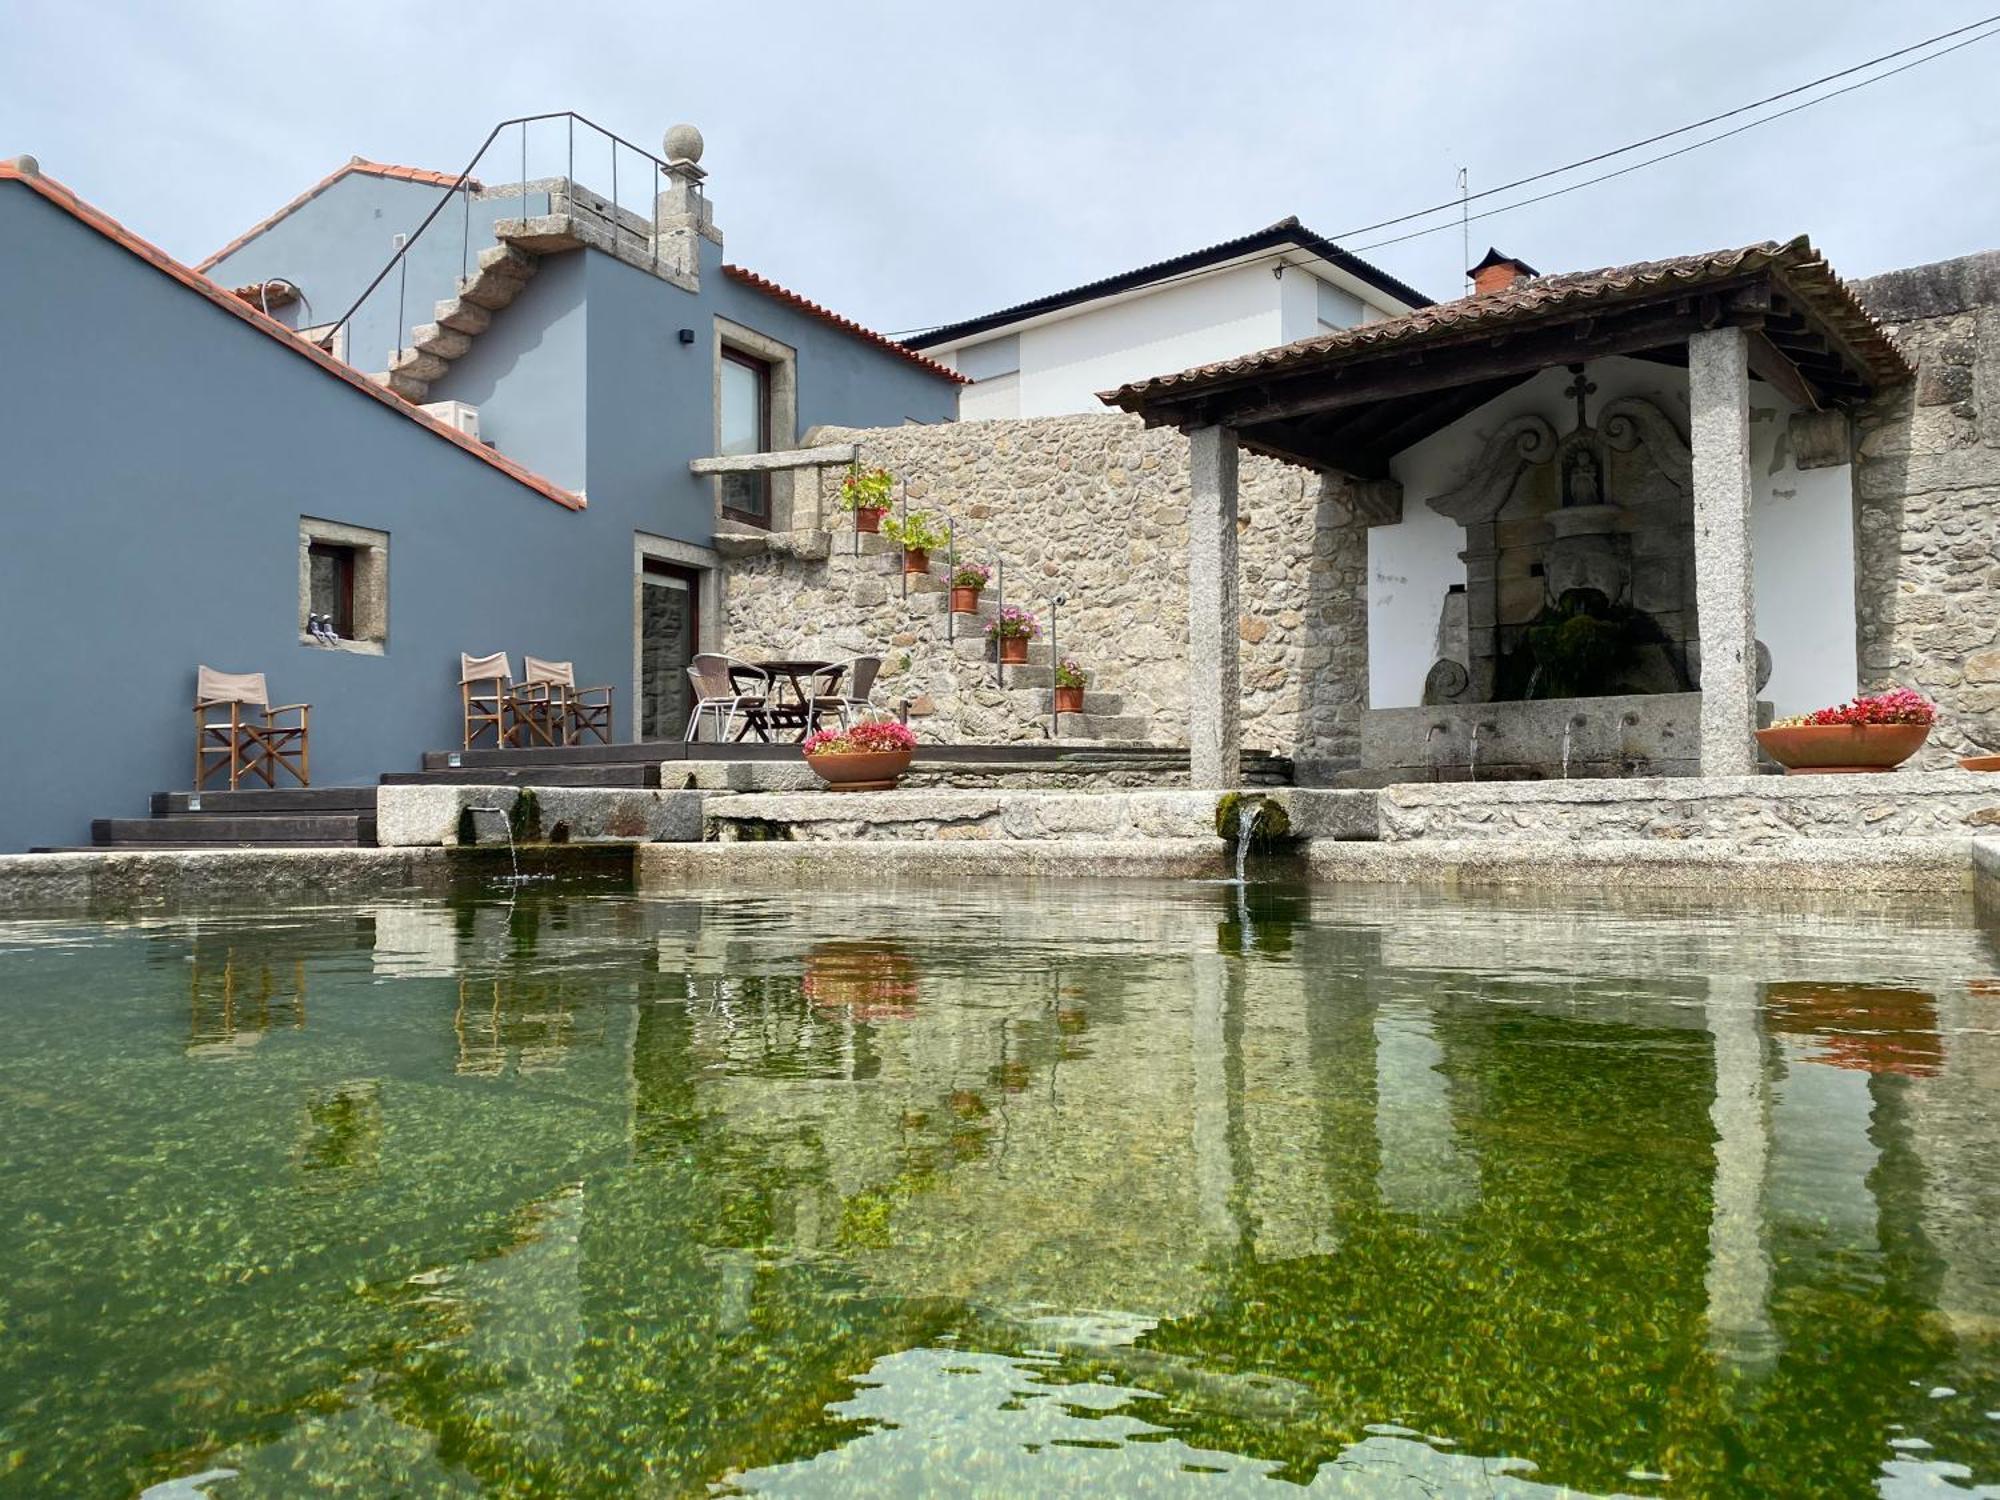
<point x="486" y="693"/>
<point x="842" y="690"/>
<point x="237" y="729"/>
<point x="718" y="683"/>
<point x="582" y="711"/>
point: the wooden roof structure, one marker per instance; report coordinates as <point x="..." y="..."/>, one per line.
<point x="1349" y="401"/>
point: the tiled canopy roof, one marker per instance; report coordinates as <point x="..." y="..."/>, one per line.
<point x="1795" y="265"/>
<point x="93" y="218"/>
<point x="354" y="164"/>
<point x="805" y="305"/>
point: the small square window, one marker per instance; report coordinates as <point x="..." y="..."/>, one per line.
<point x="343" y="586"/>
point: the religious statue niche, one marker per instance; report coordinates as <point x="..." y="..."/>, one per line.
<point x="1579" y="559"/>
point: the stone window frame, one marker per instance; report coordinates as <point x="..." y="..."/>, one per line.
<point x="706" y="565"/>
<point x="371" y="583"/>
<point x="783" y="362"/>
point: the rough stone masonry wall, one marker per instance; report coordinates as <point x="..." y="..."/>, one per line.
<point x="1927" y="512"/>
<point x="1094" y="507"/>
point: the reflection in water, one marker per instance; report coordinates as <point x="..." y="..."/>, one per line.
<point x="1120" y="1190"/>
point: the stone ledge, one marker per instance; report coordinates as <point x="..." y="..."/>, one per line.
<point x="427" y="815"/>
<point x="1932" y="865"/>
<point x="671" y="866"/>
<point x="120" y="877"/>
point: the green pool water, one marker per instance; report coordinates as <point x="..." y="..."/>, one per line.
<point x="1002" y="1190"/>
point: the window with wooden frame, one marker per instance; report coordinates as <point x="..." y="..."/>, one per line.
<point x="744" y="424"/>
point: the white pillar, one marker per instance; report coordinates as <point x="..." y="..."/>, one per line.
<point x="1214" y="685"/>
<point x="1725" y="611"/>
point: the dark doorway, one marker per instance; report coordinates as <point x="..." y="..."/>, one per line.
<point x="669" y="636"/>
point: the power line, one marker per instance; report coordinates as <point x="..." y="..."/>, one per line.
<point x="1458" y="203"/>
<point x="1666" y="135"/>
<point x="1722" y="135"/>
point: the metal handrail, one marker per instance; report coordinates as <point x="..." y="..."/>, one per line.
<point x="458" y="187"/>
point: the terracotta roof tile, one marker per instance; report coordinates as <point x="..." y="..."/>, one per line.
<point x="355" y="164"/>
<point x="846" y="325"/>
<point x="1803" y="272"/>
<point x="94" y="218"/>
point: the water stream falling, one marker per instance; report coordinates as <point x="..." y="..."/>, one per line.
<point x="1568" y="724"/>
<point x="513" y="854"/>
<point x="1472" y="755"/>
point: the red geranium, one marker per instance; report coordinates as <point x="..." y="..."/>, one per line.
<point x="873" y="735"/>
<point x="1897" y="706"/>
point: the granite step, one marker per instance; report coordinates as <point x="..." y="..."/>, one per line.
<point x="1041" y="700"/>
<point x="1105" y="726"/>
<point x="977" y="648"/>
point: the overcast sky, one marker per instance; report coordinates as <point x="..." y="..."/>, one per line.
<point x="911" y="164"/>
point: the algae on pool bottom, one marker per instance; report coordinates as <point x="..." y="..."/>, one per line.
<point x="997" y="1190"/>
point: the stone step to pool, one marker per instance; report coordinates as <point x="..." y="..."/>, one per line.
<point x="257" y="829"/>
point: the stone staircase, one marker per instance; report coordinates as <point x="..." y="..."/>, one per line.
<point x="577" y="218"/>
<point x="287" y="817"/>
<point x="999" y="702"/>
<point x="504" y="271"/>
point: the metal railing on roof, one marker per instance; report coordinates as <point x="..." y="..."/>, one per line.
<point x="465" y="186"/>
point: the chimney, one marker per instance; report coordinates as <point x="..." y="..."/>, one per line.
<point x="1498" y="272"/>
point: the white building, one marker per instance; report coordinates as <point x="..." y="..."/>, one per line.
<point x="1053" y="355"/>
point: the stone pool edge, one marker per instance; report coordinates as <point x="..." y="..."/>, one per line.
<point x="1948" y="866"/>
<point x="1923" y="865"/>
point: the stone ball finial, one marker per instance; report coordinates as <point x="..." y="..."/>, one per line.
<point x="26" y="165"/>
<point x="681" y="143"/>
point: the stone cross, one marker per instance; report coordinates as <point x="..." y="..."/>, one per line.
<point x="1580" y="389"/>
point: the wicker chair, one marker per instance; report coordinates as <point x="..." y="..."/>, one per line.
<point x="849" y="703"/>
<point x="719" y="683"/>
<point x="237" y="729"/>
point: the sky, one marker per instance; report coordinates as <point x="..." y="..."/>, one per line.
<point x="915" y="164"/>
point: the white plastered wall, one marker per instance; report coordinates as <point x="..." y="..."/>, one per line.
<point x="1802" y="535"/>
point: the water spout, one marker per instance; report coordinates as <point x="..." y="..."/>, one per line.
<point x="1429" y="759"/>
<point x="1472" y="756"/>
<point x="500" y="816"/>
<point x="1568" y="724"/>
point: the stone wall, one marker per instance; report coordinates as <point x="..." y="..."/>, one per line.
<point x="1094" y="507"/>
<point x="1927" y="492"/>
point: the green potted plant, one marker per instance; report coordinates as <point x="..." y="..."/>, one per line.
<point x="967" y="579"/>
<point x="1071" y="680"/>
<point x="921" y="534"/>
<point x="1013" y="628"/>
<point x="1872" y="733"/>
<point x="865" y="492"/>
<point x="866" y="757"/>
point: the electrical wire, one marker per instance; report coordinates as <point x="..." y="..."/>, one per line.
<point x="1457" y="203"/>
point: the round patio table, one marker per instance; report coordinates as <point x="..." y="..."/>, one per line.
<point x="791" y="690"/>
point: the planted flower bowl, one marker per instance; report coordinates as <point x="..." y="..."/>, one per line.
<point x="1872" y="733"/>
<point x="869" y="757"/>
<point x="920" y="536"/>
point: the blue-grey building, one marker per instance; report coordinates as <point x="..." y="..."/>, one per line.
<point x="186" y="480"/>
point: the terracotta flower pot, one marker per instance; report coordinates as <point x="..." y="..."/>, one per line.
<point x="964" y="601"/>
<point x="869" y="517"/>
<point x="862" y="770"/>
<point x="1826" y="749"/>
<point x="1979" y="762"/>
<point x="1014" y="649"/>
<point x="916" y="560"/>
<point x="1069" y="700"/>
